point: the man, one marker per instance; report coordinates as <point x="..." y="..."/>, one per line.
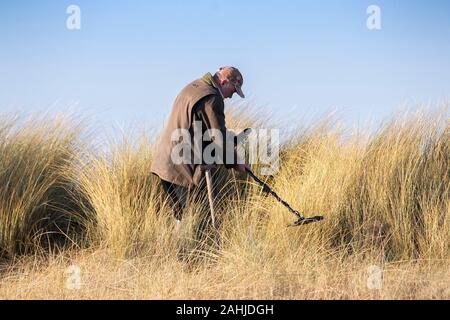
<point x="201" y="101"/>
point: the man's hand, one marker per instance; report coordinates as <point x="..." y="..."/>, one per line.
<point x="240" y="167"/>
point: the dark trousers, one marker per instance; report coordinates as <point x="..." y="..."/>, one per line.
<point x="176" y="197"/>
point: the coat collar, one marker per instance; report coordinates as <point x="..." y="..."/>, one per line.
<point x="208" y="78"/>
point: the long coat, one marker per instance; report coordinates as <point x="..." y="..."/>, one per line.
<point x="199" y="100"/>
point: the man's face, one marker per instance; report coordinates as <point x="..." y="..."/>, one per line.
<point x="228" y="88"/>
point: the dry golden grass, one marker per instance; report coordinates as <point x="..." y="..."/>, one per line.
<point x="232" y="277"/>
<point x="385" y="196"/>
<point x="39" y="203"/>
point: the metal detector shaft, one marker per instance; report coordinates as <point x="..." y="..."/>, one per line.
<point x="301" y="220"/>
<point x="267" y="189"/>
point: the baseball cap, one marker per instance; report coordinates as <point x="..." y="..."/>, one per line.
<point x="235" y="77"/>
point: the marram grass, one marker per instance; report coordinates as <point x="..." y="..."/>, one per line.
<point x="385" y="196"/>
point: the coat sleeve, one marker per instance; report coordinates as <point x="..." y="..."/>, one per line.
<point x="210" y="110"/>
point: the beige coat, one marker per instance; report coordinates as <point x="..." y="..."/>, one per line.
<point x="199" y="100"/>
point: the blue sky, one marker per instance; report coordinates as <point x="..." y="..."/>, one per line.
<point x="130" y="59"/>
